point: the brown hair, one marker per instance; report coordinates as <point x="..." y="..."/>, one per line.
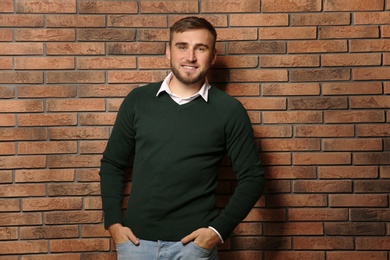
<point x="192" y="23"/>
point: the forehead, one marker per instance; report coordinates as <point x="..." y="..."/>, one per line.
<point x="197" y="36"/>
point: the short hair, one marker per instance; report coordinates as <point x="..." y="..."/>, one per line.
<point x="192" y="23"/>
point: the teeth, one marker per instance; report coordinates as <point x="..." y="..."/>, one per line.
<point x="188" y="67"/>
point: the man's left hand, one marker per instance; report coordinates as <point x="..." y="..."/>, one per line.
<point x="203" y="237"/>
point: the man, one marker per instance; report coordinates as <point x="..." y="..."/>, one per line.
<point x="179" y="130"/>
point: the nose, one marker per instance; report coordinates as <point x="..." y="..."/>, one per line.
<point x="191" y="56"/>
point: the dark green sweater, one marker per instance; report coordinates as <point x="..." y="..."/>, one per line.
<point x="177" y="152"/>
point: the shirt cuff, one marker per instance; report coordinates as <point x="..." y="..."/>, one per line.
<point x="217" y="234"/>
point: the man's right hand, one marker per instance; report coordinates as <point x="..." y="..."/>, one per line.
<point x="121" y="234"/>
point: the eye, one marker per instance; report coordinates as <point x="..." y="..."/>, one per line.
<point x="181" y="47"/>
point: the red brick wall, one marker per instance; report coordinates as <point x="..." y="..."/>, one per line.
<point x="314" y="76"/>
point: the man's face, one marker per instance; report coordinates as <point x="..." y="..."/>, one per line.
<point x="191" y="54"/>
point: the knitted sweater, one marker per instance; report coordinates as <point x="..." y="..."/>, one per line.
<point x="177" y="152"/>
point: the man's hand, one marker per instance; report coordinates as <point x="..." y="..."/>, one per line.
<point x="121" y="234"/>
<point x="203" y="237"/>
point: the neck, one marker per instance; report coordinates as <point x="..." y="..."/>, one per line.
<point x="184" y="90"/>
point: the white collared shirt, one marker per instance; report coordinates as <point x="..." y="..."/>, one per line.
<point x="203" y="91"/>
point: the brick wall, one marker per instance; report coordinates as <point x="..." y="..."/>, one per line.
<point x="314" y="76"/>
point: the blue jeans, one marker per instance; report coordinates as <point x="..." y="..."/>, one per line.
<point x="164" y="250"/>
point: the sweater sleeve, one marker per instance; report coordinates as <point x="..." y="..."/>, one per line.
<point x="243" y="153"/>
<point x="115" y="159"/>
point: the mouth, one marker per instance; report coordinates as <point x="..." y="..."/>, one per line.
<point x="189" y="67"/>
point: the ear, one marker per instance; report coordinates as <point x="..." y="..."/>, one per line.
<point x="168" y="52"/>
<point x="214" y="57"/>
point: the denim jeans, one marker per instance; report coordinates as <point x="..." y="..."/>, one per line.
<point x="164" y="250"/>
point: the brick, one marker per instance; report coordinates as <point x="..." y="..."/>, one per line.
<point x="9" y="205"/>
<point x="57" y="35"/>
<point x="378" y="45"/>
<point x="189" y="6"/>
<point x="75" y="48"/>
<point x="49" y="204"/>
<point x="322" y="103"/>
<point x="20" y="77"/>
<point x="47" y="120"/>
<point x="247" y="89"/>
<point x="386" y="59"/>
<point x="352" y="144"/>
<point x="7" y="148"/>
<point x="21" y="48"/>
<point x="346" y="5"/>
<point x="138" y="21"/>
<point x="93" y="203"/>
<point x="290" y="145"/>
<point x="276" y="158"/>
<point x="371" y="158"/>
<point x="291" y="117"/>
<point x="351" y="88"/>
<point x="79" y="133"/>
<point x="49" y="232"/>
<point x="309" y="186"/>
<point x="266" y="215"/>
<point x="258" y="19"/>
<point x="293" y="229"/>
<point x="290" y="89"/>
<point x="372" y="243"/>
<point x="236" y="62"/>
<point x="22" y="190"/>
<point x="214" y="6"/>
<point x="77" y="21"/>
<point x="45" y="6"/>
<point x="40" y="91"/>
<point x="18" y="162"/>
<point x="323" y="243"/>
<point x="20" y="219"/>
<point x="317" y="46"/>
<point x="329" y="158"/>
<point x="376" y="130"/>
<point x="92" y="147"/>
<point x="381" y="186"/>
<point x="338" y="60"/>
<point x="291" y="33"/>
<point x="153" y="35"/>
<point x="97" y="119"/>
<point x="248" y="229"/>
<point x="354" y="116"/>
<point x="288" y="6"/>
<point x="290" y="61"/>
<point x="6" y="35"/>
<point x="277" y="186"/>
<point x="76" y="105"/>
<point x="253" y="243"/>
<point x="114" y="104"/>
<point x="371" y="73"/>
<point x="129" y="48"/>
<point x="21" y="106"/>
<point x="105" y="35"/>
<point x="14" y="134"/>
<point x="44" y="63"/>
<point x="6" y="176"/>
<point x="14" y="20"/>
<point x="47" y="147"/>
<point x="324" y="131"/>
<point x="358" y="255"/>
<point x="23" y="247"/>
<point x="5" y="63"/>
<point x="370" y="102"/>
<point x="272" y="131"/>
<point x="320" y="75"/>
<point x="256" y="47"/>
<point x="108" y="6"/>
<point x="53" y="256"/>
<point x="73" y="217"/>
<point x="7" y="6"/>
<point x="106" y="63"/>
<point x="44" y="175"/>
<point x="358" y="200"/>
<point x="82" y="77"/>
<point x="266" y="103"/>
<point x="381" y="215"/>
<point x="80" y="245"/>
<point x="341" y="32"/>
<point x="385" y="172"/>
<point x="7" y="120"/>
<point x="7" y="92"/>
<point x="7" y="233"/>
<point x="373" y="18"/>
<point x="87" y="175"/>
<point x="300" y="214"/>
<point x="135" y="76"/>
<point x="355" y="172"/>
<point x="354" y="229"/>
<point x="116" y="90"/>
<point x="317" y="19"/>
<point x="296" y="200"/>
<point x="385" y="31"/>
<point x="69" y="161"/>
<point x="288" y="172"/>
<point x="154" y="62"/>
<point x="292" y="255"/>
<point x="237" y="34"/>
<point x="258" y="75"/>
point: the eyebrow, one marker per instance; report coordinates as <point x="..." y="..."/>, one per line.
<point x="196" y="45"/>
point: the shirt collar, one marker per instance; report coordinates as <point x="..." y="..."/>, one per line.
<point x="203" y="91"/>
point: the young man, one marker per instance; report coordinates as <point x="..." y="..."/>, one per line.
<point x="179" y="130"/>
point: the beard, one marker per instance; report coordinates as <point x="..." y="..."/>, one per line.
<point x="189" y="78"/>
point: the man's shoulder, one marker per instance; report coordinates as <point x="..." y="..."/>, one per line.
<point x="220" y="97"/>
<point x="149" y="89"/>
